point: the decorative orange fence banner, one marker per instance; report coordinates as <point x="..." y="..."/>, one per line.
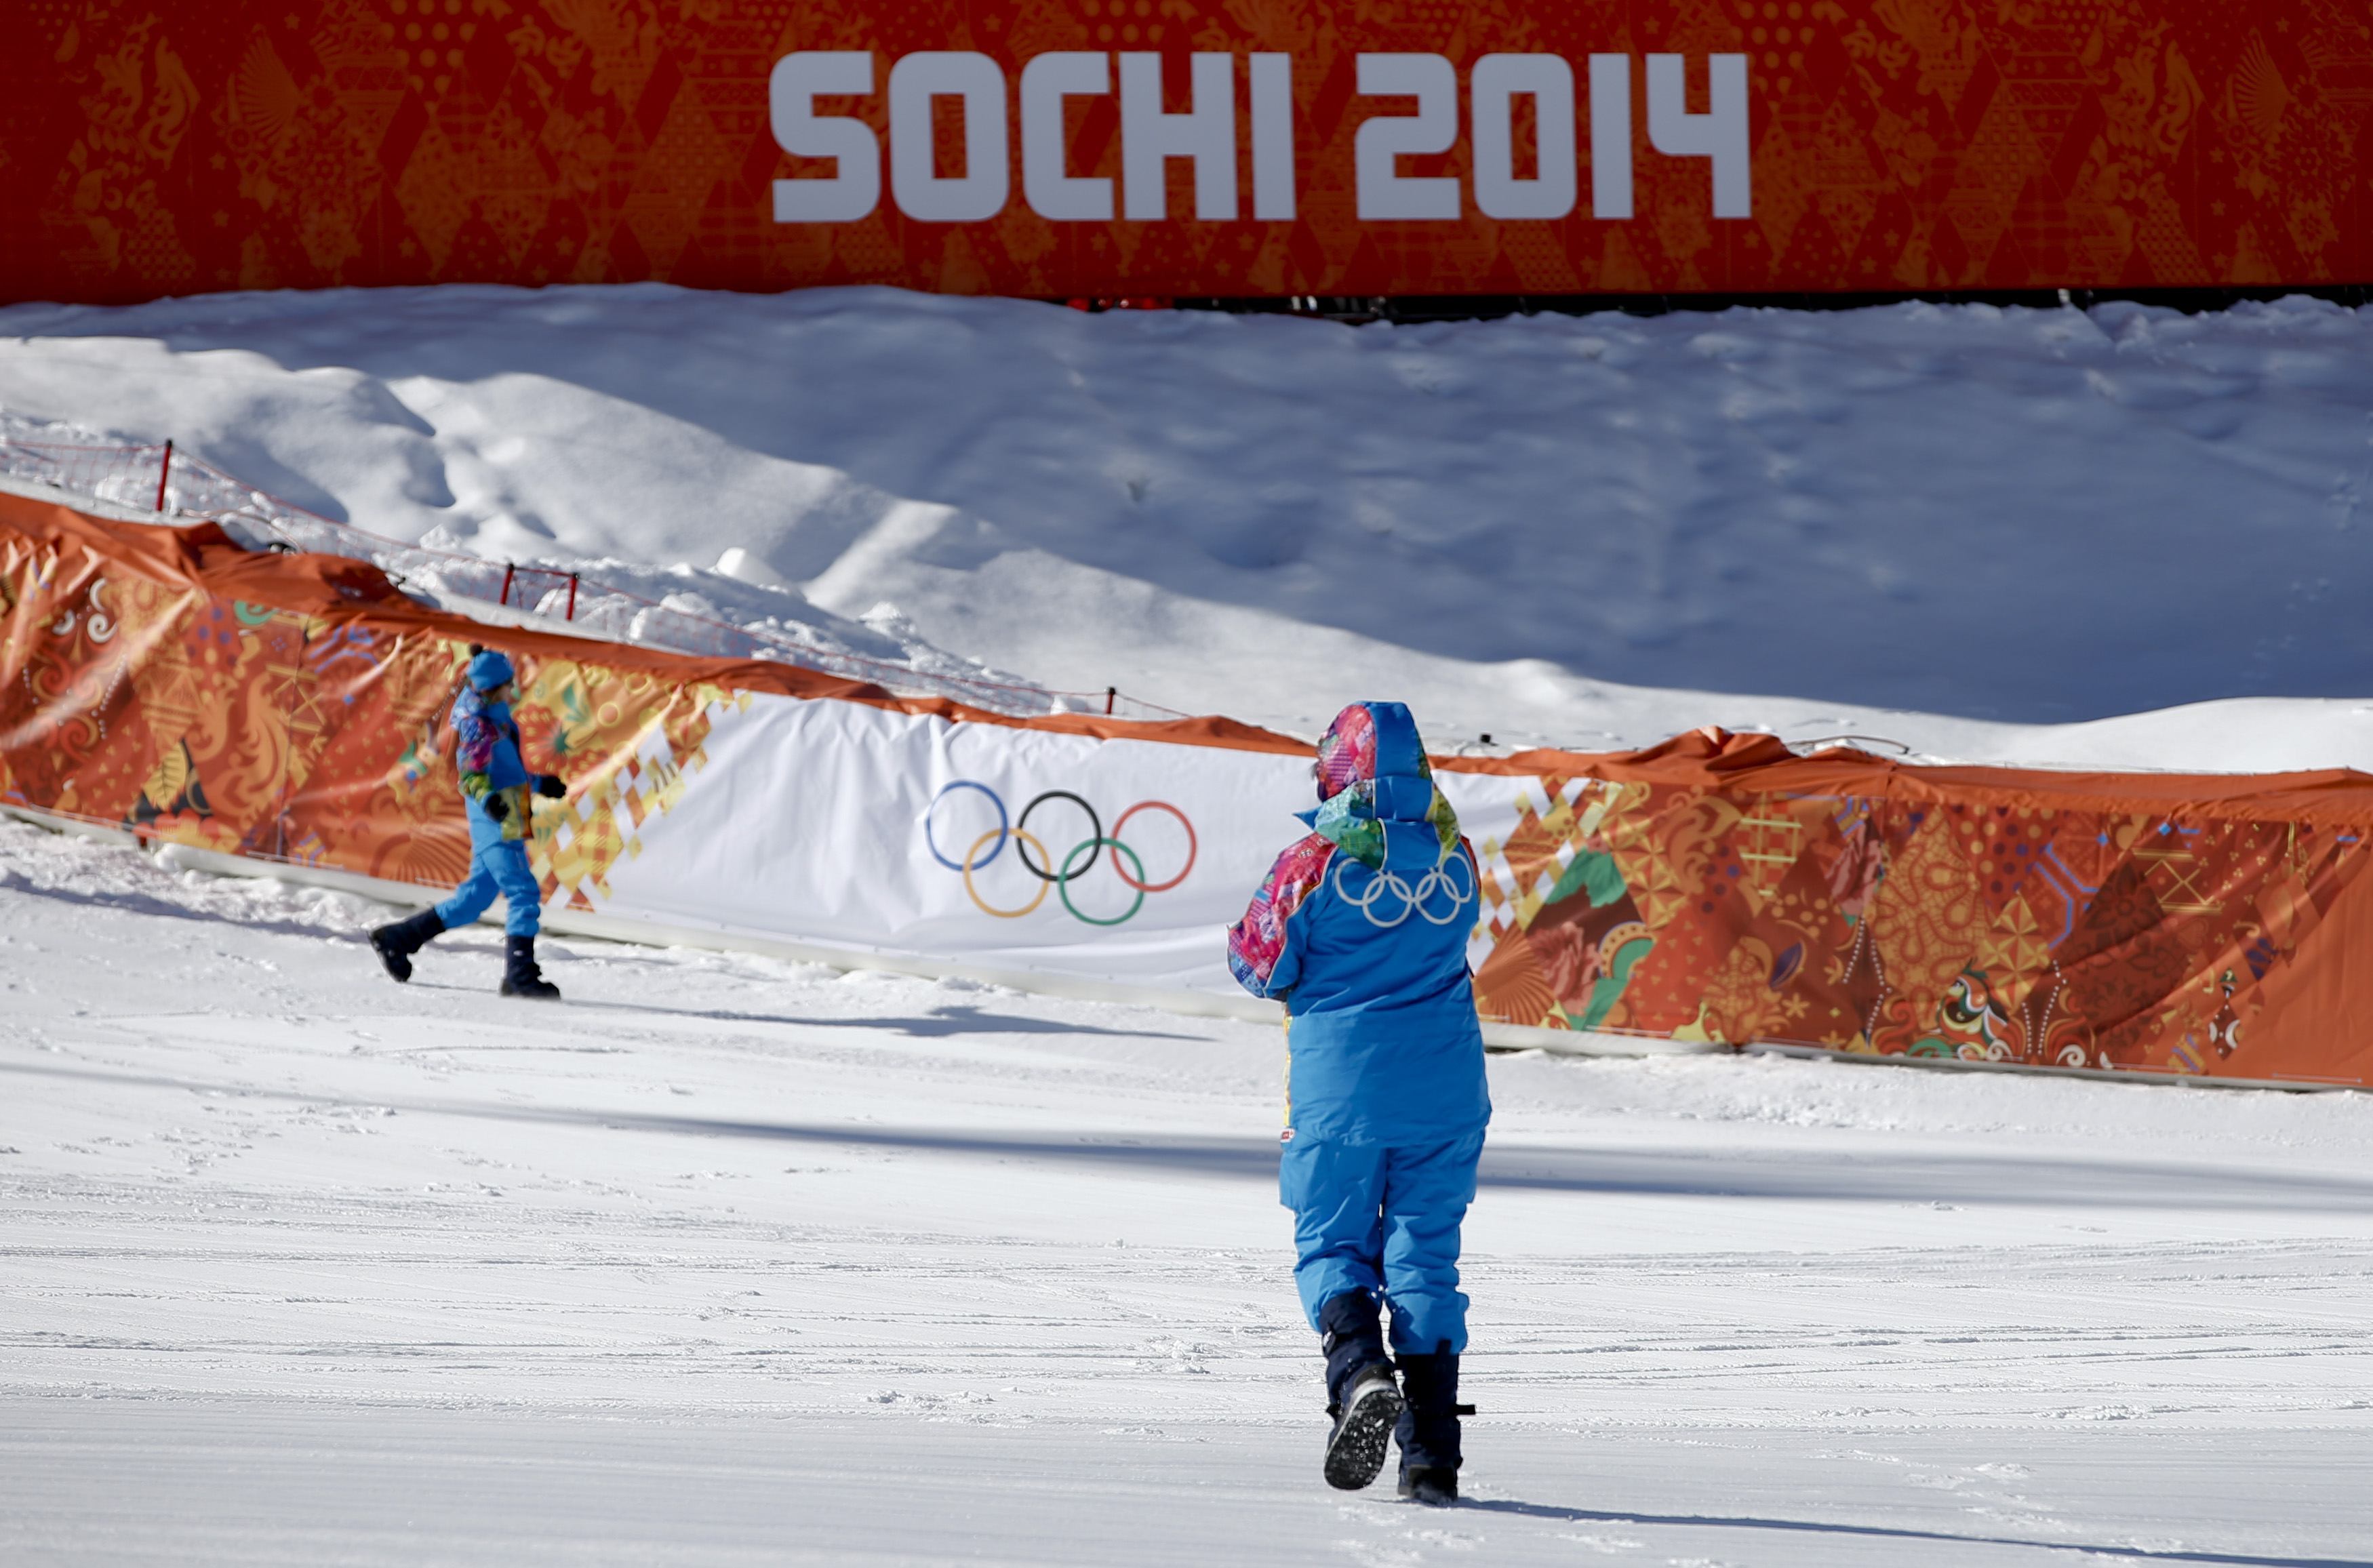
<point x="1717" y="888"/>
<point x="1185" y="148"/>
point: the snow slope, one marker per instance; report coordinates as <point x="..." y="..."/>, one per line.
<point x="728" y="1261"/>
<point x="1935" y="525"/>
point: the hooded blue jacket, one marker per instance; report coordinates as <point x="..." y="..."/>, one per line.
<point x="488" y="758"/>
<point x="1361" y="928"/>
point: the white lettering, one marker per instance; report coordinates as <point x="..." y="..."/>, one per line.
<point x="1046" y="183"/>
<point x="1610" y="136"/>
<point x="1273" y="137"/>
<point x="1720" y="133"/>
<point x="979" y="192"/>
<point x="1205" y="133"/>
<point x="1384" y="192"/>
<point x="1498" y="81"/>
<point x="791" y="91"/>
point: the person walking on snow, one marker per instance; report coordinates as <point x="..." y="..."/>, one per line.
<point x="1361" y="929"/>
<point x="496" y="787"/>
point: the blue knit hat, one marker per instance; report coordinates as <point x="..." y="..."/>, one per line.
<point x="489" y="670"/>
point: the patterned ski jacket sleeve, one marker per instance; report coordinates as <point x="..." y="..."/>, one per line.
<point x="494" y="781"/>
<point x="475" y="734"/>
<point x="1261" y="946"/>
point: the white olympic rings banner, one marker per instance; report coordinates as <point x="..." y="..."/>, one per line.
<point x="1001" y="847"/>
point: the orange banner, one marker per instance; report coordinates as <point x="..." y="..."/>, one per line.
<point x="1718" y="887"/>
<point x="1715" y="888"/>
<point x="1183" y="147"/>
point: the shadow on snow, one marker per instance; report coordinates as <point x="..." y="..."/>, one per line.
<point x="1887" y="1532"/>
<point x="1893" y="1177"/>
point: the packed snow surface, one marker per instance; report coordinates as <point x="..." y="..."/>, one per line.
<point x="731" y="1261"/>
<point x="1938" y="526"/>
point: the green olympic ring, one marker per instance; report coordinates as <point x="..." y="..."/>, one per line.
<point x="1063" y="881"/>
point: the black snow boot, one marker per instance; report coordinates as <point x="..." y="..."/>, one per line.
<point x="1361" y="1393"/>
<point x="395" y="944"/>
<point x="1427" y="1433"/>
<point x="521" y="977"/>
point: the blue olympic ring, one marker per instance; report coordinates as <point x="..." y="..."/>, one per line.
<point x="1003" y="827"/>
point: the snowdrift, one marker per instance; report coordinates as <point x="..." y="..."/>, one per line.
<point x="288" y="709"/>
<point x="2116" y="538"/>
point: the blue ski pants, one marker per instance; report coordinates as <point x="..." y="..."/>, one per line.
<point x="497" y="870"/>
<point x="1383" y="1220"/>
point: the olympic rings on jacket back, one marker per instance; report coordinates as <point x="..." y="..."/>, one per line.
<point x="1400" y="899"/>
<point x="1053" y="871"/>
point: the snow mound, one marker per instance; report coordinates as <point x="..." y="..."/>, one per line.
<point x="1974" y="533"/>
<point x="738" y="609"/>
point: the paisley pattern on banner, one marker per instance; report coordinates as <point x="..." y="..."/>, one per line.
<point x="1998" y="932"/>
<point x="287" y="734"/>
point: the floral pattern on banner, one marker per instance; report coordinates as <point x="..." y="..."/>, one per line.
<point x="1970" y="913"/>
<point x="250" y="731"/>
<point x="2026" y="934"/>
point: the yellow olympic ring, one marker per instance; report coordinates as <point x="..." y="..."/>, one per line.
<point x="999" y="833"/>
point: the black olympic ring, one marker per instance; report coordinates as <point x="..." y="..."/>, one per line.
<point x="1096" y="831"/>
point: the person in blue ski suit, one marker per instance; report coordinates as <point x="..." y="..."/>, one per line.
<point x="495" y="790"/>
<point x="1361" y="928"/>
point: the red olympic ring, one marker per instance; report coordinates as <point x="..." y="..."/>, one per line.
<point x="1193" y="848"/>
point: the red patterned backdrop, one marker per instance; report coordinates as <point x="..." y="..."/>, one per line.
<point x="165" y="146"/>
<point x="291" y="708"/>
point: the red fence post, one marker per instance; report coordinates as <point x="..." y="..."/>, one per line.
<point x="164" y="470"/>
<point x="1110" y="693"/>
<point x="509" y="571"/>
<point x="572" y="598"/>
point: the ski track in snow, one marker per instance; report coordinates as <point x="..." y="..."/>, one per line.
<point x="728" y="1261"/>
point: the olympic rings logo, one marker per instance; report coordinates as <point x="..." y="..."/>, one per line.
<point x="1049" y="871"/>
<point x="1421" y="899"/>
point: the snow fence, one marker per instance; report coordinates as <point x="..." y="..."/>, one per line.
<point x="290" y="710"/>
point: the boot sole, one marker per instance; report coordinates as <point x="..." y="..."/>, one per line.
<point x="1356" y="1453"/>
<point x="390" y="962"/>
